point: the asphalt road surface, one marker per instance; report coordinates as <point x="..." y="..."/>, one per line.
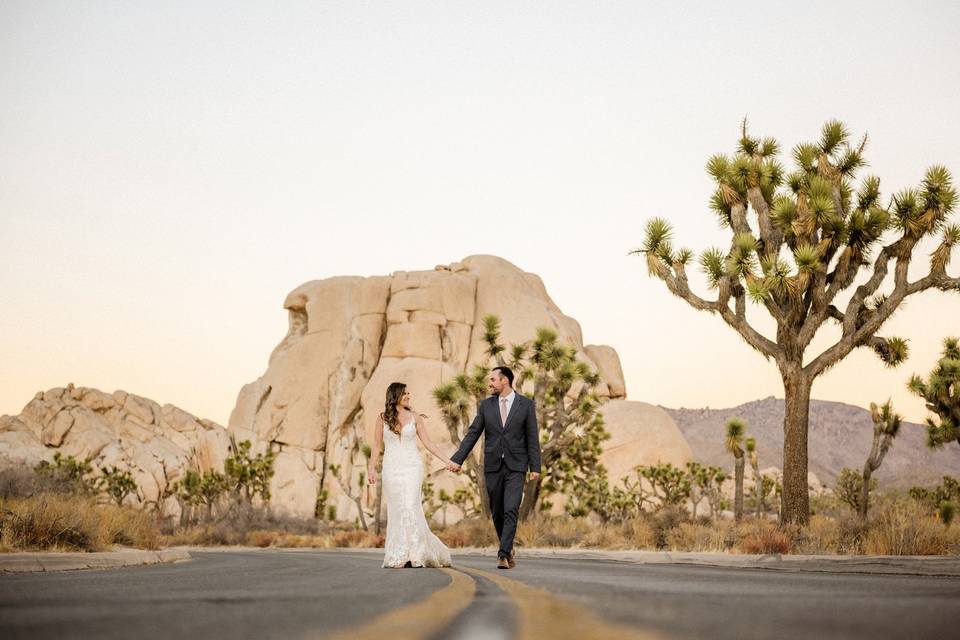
<point x="317" y="594"/>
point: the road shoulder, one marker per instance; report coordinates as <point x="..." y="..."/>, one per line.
<point x="34" y="561"/>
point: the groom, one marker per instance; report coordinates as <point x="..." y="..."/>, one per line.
<point x="508" y="422"/>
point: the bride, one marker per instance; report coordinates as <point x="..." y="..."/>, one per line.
<point x="410" y="543"/>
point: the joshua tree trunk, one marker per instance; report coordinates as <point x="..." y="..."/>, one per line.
<point x="865" y="490"/>
<point x="795" y="505"/>
<point x="531" y="494"/>
<point x="738" y="488"/>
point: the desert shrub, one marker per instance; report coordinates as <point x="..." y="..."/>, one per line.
<point x="52" y="521"/>
<point x="21" y="482"/>
<point x="551" y="531"/>
<point x="470" y="532"/>
<point x="129" y="526"/>
<point x="66" y="474"/>
<point x="820" y="537"/>
<point x="606" y="536"/>
<point x="291" y="540"/>
<point x="357" y="538"/>
<point x="639" y="533"/>
<point x="763" y="537"/>
<point x="664" y="521"/>
<point x="261" y="538"/>
<point x="692" y="536"/>
<point x="904" y="528"/>
<point x="245" y="525"/>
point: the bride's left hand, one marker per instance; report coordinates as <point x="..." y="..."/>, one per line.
<point x="372" y="477"/>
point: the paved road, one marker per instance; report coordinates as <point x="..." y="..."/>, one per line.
<point x="313" y="594"/>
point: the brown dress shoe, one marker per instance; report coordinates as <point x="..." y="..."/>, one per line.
<point x="511" y="561"/>
<point x="503" y="563"/>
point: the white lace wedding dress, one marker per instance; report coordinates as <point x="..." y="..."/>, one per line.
<point x="409" y="538"/>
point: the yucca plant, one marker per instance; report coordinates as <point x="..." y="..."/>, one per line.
<point x="734" y="444"/>
<point x="886" y="426"/>
<point x="799" y="240"/>
<point x="941" y="391"/>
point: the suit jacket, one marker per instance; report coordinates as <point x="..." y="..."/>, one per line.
<point x="515" y="444"/>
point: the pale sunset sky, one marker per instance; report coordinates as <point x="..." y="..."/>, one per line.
<point x="170" y="171"/>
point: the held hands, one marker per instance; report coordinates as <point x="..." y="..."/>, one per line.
<point x="453" y="466"/>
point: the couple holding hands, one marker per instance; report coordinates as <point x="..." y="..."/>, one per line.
<point x="508" y="422"/>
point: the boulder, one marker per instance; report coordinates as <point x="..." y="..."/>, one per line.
<point x="640" y="434"/>
<point x="155" y="444"/>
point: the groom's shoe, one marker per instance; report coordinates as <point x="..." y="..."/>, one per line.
<point x="503" y="563"/>
<point x="511" y="561"/>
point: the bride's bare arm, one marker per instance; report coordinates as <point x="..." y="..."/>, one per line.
<point x="427" y="442"/>
<point x="375" y="451"/>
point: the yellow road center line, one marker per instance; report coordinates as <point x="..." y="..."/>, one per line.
<point x="420" y="619"/>
<point x="543" y="615"/>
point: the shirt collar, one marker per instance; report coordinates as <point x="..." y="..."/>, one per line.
<point x="510" y="396"/>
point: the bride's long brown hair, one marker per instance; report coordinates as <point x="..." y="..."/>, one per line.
<point x="390" y="415"/>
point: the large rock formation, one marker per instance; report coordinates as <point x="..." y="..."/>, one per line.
<point x="317" y="402"/>
<point x="157" y="444"/>
<point x="350" y="337"/>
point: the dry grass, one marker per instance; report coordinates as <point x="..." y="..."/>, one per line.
<point x="546" y="531"/>
<point x="763" y="537"/>
<point x="638" y="533"/>
<point x="906" y="529"/>
<point x="474" y="532"/>
<point x="67" y="522"/>
<point x="224" y="534"/>
<point x="691" y="536"/>
<point x="562" y="532"/>
<point x="821" y="537"/>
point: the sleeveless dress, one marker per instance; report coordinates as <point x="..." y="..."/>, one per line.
<point x="409" y="538"/>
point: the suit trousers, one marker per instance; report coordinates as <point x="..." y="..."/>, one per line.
<point x="505" y="490"/>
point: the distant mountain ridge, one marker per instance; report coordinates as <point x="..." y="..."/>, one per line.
<point x="839" y="436"/>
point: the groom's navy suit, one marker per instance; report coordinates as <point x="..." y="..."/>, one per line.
<point x="509" y="450"/>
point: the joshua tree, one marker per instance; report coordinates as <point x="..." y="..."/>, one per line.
<point x="704" y="482"/>
<point x="714" y="489"/>
<point x="700" y="483"/>
<point x="248" y="476"/>
<point x="758" y="488"/>
<point x="195" y="489"/>
<point x="849" y="488"/>
<point x="68" y="474"/>
<point x="346" y="485"/>
<point x="797" y="242"/>
<point x="456" y="400"/>
<point x="735" y="429"/>
<point x="886" y="426"/>
<point x="942" y="394"/>
<point x="946" y="491"/>
<point x="116" y="483"/>
<point x="669" y="485"/>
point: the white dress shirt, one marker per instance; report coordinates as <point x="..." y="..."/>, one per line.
<point x="513" y="394"/>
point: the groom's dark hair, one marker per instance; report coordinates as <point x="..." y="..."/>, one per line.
<point x="506" y="373"/>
